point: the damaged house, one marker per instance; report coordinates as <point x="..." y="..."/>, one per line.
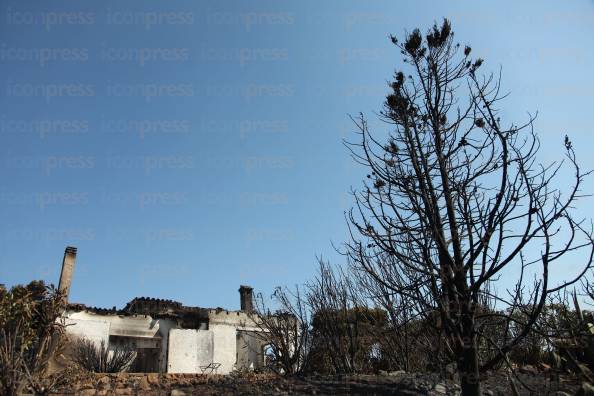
<point x="168" y="336"/>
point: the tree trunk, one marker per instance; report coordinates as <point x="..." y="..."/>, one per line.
<point x="468" y="368"/>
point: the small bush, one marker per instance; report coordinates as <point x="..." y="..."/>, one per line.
<point x="30" y="335"/>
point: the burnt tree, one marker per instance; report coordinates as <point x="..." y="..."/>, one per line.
<point x="285" y="331"/>
<point x="456" y="201"/>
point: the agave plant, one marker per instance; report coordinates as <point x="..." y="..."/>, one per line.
<point x="100" y="359"/>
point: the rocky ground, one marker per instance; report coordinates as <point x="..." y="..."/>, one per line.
<point x="398" y="383"/>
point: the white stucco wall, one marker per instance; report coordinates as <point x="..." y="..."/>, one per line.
<point x="224" y="346"/>
<point x="96" y="330"/>
<point x="189" y="349"/>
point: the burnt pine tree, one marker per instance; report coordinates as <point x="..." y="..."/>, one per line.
<point x="455" y="202"/>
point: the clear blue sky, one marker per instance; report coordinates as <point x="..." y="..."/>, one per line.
<point x="188" y="147"/>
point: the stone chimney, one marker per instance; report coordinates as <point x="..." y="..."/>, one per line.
<point x="246" y="298"/>
<point x="67" y="271"/>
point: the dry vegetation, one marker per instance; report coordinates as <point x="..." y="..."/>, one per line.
<point x="454" y="238"/>
<point x="30" y="335"/>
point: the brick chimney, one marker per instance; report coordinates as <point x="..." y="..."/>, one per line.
<point x="246" y="298"/>
<point x="67" y="271"/>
